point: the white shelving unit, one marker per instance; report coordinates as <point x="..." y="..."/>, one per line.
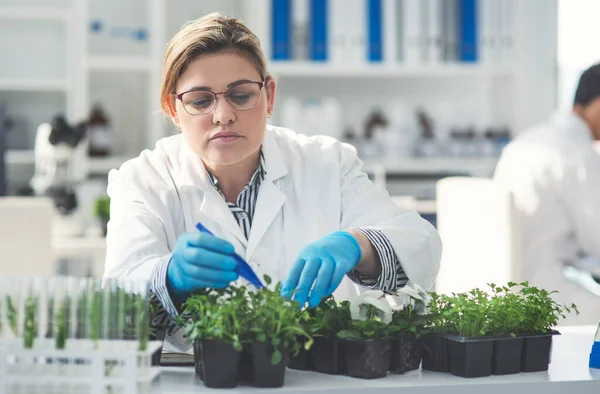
<point x="127" y="82"/>
<point x="475" y="165"/>
<point x="323" y="70"/>
<point x="33" y="85"/>
<point x="119" y="63"/>
<point x="102" y="166"/>
<point x="36" y="13"/>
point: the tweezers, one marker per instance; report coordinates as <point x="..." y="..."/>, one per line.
<point x="243" y="268"/>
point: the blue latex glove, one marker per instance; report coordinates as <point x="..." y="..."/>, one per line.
<point x="199" y="261"/>
<point x="324" y="262"/>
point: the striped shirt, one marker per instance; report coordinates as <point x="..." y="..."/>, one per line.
<point x="392" y="275"/>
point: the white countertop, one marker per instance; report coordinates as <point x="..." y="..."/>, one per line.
<point x="568" y="373"/>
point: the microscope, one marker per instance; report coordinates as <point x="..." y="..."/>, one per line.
<point x="60" y="153"/>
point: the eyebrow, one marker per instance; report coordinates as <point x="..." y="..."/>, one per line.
<point x="229" y="86"/>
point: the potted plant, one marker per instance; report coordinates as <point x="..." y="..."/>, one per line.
<point x="328" y="319"/>
<point x="506" y="316"/>
<point x="216" y="321"/>
<point x="102" y="211"/>
<point x="411" y="313"/>
<point x="275" y="327"/>
<point x="541" y="314"/>
<point x="303" y="360"/>
<point x="366" y="339"/>
<point x="434" y="344"/>
<point x="466" y="326"/>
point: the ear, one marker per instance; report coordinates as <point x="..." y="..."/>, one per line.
<point x="270" y="89"/>
<point x="172" y="109"/>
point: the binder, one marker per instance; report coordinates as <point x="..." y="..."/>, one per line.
<point x="506" y="27"/>
<point x="355" y="17"/>
<point x="450" y="30"/>
<point x="300" y="29"/>
<point x="398" y="29"/>
<point x="281" y="25"/>
<point x="413" y="32"/>
<point x="488" y="14"/>
<point x="434" y="30"/>
<point x="337" y="41"/>
<point x="375" y="30"/>
<point x="318" y="30"/>
<point x="468" y="47"/>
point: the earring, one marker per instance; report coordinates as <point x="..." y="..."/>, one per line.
<point x="269" y="115"/>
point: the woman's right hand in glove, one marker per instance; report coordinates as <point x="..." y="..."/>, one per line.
<point x="199" y="261"/>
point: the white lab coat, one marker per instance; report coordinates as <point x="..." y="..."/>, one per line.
<point x="553" y="173"/>
<point x="312" y="186"/>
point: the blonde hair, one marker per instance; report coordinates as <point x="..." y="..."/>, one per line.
<point x="209" y="34"/>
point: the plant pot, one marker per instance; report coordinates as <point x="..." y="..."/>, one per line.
<point x="219" y="364"/>
<point x="159" y="335"/>
<point x="470" y="357"/>
<point x="329" y="356"/>
<point x="506" y="356"/>
<point x="246" y="369"/>
<point x="434" y="351"/>
<point x="265" y="373"/>
<point x="405" y="353"/>
<point x="198" y="360"/>
<point x="536" y="352"/>
<point x="304" y="359"/>
<point x="367" y="359"/>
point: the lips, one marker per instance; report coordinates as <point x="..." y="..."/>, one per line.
<point x="225" y="135"/>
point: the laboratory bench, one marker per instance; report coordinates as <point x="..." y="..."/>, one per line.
<point x="568" y="373"/>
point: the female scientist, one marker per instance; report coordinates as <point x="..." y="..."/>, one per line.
<point x="297" y="208"/>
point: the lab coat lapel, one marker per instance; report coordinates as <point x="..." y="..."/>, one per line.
<point x="205" y="204"/>
<point x="270" y="197"/>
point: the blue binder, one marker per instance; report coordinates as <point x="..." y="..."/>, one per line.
<point x="281" y="23"/>
<point x="318" y="30"/>
<point x="467" y="26"/>
<point x="375" y="31"/>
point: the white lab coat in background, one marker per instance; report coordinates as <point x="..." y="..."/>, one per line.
<point x="312" y="186"/>
<point x="553" y="173"/>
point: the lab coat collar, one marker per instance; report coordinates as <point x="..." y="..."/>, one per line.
<point x="274" y="163"/>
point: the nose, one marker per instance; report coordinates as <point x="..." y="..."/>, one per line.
<point x="224" y="113"/>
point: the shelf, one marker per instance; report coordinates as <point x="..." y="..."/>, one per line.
<point x="103" y="165"/>
<point x="305" y="69"/>
<point x="43" y="13"/>
<point x="20" y="157"/>
<point x="33" y="85"/>
<point x="119" y="63"/>
<point x="437" y="165"/>
<point x="70" y="246"/>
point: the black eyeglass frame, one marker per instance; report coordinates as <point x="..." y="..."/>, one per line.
<point x="261" y="85"/>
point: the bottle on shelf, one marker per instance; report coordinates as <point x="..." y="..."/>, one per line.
<point x="99" y="128"/>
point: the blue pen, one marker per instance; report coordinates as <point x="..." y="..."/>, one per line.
<point x="243" y="269"/>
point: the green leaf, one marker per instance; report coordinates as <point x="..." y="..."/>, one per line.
<point x="276" y="357"/>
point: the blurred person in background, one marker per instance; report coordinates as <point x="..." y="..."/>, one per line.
<point x="553" y="173"/>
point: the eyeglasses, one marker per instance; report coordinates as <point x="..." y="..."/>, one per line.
<point x="246" y="95"/>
